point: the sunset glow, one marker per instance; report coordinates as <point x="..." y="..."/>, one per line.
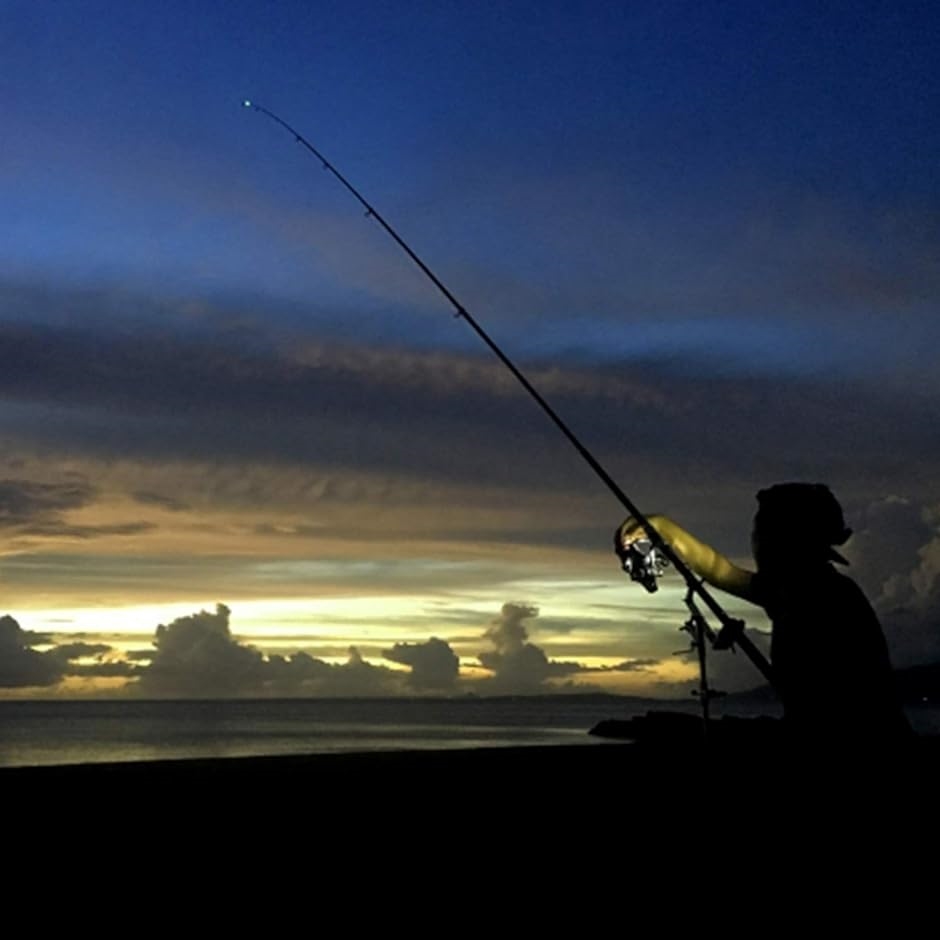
<point x="249" y="450"/>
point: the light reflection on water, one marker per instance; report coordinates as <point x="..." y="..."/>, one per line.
<point x="38" y="733"/>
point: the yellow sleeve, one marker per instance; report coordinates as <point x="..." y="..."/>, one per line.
<point x="710" y="565"/>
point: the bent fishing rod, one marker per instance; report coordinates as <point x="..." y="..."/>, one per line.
<point x="644" y="567"/>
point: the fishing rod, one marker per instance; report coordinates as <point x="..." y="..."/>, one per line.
<point x="642" y="565"/>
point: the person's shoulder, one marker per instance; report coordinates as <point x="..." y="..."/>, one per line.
<point x="848" y="590"/>
<point x="843" y="581"/>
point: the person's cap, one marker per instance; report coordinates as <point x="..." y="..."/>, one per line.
<point x="810" y="509"/>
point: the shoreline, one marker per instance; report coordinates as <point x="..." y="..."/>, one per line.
<point x="645" y="761"/>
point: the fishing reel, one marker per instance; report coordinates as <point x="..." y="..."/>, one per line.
<point x="644" y="562"/>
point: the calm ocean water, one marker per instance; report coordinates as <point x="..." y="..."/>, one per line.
<point x="49" y="732"/>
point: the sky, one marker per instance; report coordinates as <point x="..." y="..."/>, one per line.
<point x="248" y="449"/>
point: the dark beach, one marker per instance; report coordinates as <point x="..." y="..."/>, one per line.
<point x="611" y="817"/>
<point x="593" y="778"/>
<point x="412" y="776"/>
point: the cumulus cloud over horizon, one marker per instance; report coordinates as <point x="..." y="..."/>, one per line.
<point x="20" y="664"/>
<point x="517" y="664"/>
<point x="198" y="656"/>
<point x="434" y="665"/>
<point x="895" y="556"/>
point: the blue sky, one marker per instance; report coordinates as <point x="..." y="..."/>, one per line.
<point x="610" y="163"/>
<point x="711" y="232"/>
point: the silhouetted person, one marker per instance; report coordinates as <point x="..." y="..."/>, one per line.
<point x="828" y="653"/>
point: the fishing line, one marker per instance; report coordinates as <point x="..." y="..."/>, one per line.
<point x="641" y="567"/>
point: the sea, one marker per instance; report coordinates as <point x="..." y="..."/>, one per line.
<point x="53" y="732"/>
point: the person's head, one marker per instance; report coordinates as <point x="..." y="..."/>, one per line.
<point x="797" y="524"/>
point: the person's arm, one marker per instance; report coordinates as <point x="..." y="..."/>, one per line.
<point x="704" y="560"/>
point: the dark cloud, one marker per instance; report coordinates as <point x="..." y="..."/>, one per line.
<point x="518" y="665"/>
<point x="138" y="655"/>
<point x="104" y="666"/>
<point x="78" y="649"/>
<point x="37" y="509"/>
<point x="302" y="674"/>
<point x="895" y="555"/>
<point x="21" y="665"/>
<point x="67" y="530"/>
<point x="25" y="503"/>
<point x="158" y="499"/>
<point x="434" y="665"/>
<point x="885" y="547"/>
<point x="446" y="416"/>
<point x="107" y="669"/>
<point x="197" y="656"/>
<point x="347" y="406"/>
<point x="357" y="678"/>
<point x="288" y="673"/>
<point x="632" y="665"/>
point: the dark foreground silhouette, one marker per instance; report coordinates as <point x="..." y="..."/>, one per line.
<point x="829" y="661"/>
<point x="548" y="811"/>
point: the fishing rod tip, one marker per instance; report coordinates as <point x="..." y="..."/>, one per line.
<point x="246" y="103"/>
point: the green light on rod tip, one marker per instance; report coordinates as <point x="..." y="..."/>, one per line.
<point x="246" y="103"/>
